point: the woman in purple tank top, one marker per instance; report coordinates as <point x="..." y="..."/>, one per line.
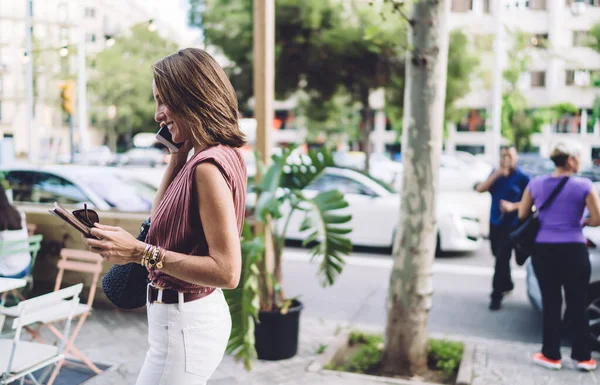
<point x="192" y="250"/>
<point x="561" y="259"/>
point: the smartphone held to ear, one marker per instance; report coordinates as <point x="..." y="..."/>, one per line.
<point x="164" y="136"/>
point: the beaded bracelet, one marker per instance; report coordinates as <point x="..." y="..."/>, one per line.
<point x="153" y="257"/>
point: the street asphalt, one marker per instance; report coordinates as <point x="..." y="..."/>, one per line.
<point x="462" y="284"/>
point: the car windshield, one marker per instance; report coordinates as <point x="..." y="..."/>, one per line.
<point x="388" y="187"/>
<point x="121" y="192"/>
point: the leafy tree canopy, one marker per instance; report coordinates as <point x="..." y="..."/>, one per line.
<point x="122" y="76"/>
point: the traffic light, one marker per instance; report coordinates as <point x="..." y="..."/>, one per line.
<point x="67" y="96"/>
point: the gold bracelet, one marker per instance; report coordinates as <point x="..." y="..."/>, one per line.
<point x="162" y="252"/>
<point x="152" y="259"/>
<point x="145" y="255"/>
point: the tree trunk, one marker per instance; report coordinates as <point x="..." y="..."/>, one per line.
<point x="367" y="124"/>
<point x="410" y="290"/>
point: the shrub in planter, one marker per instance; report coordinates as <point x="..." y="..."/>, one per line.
<point x="363" y="353"/>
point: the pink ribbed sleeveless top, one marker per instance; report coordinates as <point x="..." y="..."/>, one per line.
<point x="176" y="224"/>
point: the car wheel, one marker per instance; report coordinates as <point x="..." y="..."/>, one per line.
<point x="593" y="312"/>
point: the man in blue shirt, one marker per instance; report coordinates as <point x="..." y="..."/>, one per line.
<point x="506" y="184"/>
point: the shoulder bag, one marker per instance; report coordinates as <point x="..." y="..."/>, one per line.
<point x="523" y="238"/>
<point x="126" y="285"/>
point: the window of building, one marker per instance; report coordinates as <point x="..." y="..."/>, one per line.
<point x="90" y="37"/>
<point x="581" y="38"/>
<point x="487" y="8"/>
<point x="518" y="4"/>
<point x="472" y="149"/>
<point x="478" y="6"/>
<point x="537" y="79"/>
<point x="474" y="121"/>
<point x="581" y="78"/>
<point x="538" y="5"/>
<point x="89" y="12"/>
<point x="593" y="3"/>
<point x="461" y="5"/>
<point x="590" y="121"/>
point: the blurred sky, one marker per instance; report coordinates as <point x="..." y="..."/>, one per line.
<point x="173" y="12"/>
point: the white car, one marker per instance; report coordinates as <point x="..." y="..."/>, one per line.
<point x="375" y="209"/>
<point x="381" y="166"/>
<point x="480" y="169"/>
<point x="455" y="174"/>
<point x="102" y="188"/>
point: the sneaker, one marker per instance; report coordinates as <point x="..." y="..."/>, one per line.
<point x="541" y="360"/>
<point x="495" y="304"/>
<point x="588" y="365"/>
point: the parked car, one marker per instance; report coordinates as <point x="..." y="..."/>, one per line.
<point x="375" y="209"/>
<point x="480" y="169"/>
<point x="591" y="172"/>
<point x="146" y="156"/>
<point x="101" y="188"/>
<point x="119" y="199"/>
<point x="381" y="166"/>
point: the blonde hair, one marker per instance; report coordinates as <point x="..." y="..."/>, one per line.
<point x="563" y="150"/>
<point x="196" y="89"/>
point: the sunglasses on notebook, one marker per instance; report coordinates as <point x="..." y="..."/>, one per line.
<point x="88" y="217"/>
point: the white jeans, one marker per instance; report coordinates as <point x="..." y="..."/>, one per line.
<point x="187" y="341"/>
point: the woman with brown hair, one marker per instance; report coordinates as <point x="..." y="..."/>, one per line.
<point x="12" y="228"/>
<point x="192" y="250"/>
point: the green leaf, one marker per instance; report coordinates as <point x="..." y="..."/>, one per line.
<point x="244" y="301"/>
<point x="268" y="188"/>
<point x="370" y="32"/>
<point x="323" y="226"/>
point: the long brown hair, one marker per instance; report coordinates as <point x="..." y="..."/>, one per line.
<point x="10" y="218"/>
<point x="196" y="89"/>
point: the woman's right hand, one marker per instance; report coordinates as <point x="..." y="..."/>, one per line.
<point x="181" y="156"/>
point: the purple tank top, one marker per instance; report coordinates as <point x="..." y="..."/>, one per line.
<point x="561" y="222"/>
<point x="176" y="225"/>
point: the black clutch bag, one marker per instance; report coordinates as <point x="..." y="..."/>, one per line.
<point x="126" y="285"/>
<point x="523" y="238"/>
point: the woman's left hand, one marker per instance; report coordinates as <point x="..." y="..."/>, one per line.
<point x="115" y="245"/>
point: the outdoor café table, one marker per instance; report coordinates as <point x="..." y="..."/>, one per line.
<point x="8" y="284"/>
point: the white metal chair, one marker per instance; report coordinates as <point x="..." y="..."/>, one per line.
<point x="20" y="359"/>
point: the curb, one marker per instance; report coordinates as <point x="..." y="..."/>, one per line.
<point x="465" y="370"/>
<point x="340" y="340"/>
<point x="464" y="376"/>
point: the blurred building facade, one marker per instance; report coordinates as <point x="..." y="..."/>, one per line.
<point x="57" y="23"/>
<point x="561" y="69"/>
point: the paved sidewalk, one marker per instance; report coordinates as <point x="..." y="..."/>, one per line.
<point x="119" y="338"/>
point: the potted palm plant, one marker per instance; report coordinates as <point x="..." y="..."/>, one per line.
<point x="265" y="321"/>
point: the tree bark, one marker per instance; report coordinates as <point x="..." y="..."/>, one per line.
<point x="410" y="289"/>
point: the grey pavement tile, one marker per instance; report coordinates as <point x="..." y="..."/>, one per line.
<point x="119" y="338"/>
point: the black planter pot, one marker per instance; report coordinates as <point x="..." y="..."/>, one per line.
<point x="277" y="334"/>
